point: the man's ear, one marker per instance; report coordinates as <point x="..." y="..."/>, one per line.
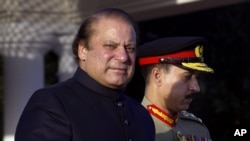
<point x="82" y="50"/>
<point x="156" y="75"/>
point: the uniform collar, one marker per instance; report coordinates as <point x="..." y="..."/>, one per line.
<point x="82" y="77"/>
<point x="159" y="113"/>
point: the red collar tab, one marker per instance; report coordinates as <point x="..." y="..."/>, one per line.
<point x="156" y="59"/>
<point x="161" y="115"/>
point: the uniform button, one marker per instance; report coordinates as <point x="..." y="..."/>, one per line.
<point x="126" y="122"/>
<point x="119" y="104"/>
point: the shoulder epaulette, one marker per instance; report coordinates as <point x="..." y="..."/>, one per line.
<point x="189" y="116"/>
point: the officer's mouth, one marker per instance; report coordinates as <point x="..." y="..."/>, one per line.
<point x="191" y="96"/>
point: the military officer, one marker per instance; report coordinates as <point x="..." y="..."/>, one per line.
<point x="170" y="67"/>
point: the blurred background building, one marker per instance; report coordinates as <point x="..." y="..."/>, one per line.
<point x="36" y="37"/>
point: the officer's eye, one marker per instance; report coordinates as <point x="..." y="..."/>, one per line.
<point x="187" y="77"/>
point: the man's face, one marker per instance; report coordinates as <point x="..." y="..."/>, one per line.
<point x="111" y="57"/>
<point x="178" y="87"/>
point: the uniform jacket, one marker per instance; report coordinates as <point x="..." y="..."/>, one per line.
<point x="80" y="109"/>
<point x="187" y="127"/>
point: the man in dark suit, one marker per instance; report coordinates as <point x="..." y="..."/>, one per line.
<point x="92" y="106"/>
<point x="170" y="67"/>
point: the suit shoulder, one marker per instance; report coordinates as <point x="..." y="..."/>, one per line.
<point x="51" y="92"/>
<point x="57" y="87"/>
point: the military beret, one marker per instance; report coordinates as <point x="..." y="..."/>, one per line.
<point x="183" y="51"/>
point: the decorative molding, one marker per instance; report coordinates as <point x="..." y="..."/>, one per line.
<point x="151" y="9"/>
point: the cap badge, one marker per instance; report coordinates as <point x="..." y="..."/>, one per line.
<point x="198" y="51"/>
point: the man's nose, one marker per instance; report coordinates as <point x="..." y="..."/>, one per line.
<point x="194" y="86"/>
<point x="122" y="54"/>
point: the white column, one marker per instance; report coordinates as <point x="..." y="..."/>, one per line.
<point x="23" y="74"/>
<point x="23" y="46"/>
<point x="21" y="77"/>
<point x="67" y="64"/>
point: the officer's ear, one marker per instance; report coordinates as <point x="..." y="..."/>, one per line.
<point x="156" y="75"/>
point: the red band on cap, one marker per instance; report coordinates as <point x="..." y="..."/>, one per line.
<point x="155" y="59"/>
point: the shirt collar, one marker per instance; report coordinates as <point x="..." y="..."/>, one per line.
<point x="82" y="77"/>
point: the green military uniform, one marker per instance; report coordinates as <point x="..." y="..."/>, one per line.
<point x="184" y="127"/>
<point x="185" y="53"/>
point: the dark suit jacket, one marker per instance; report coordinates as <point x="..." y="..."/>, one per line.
<point x="80" y="109"/>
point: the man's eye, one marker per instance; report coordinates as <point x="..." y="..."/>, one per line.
<point x="130" y="49"/>
<point x="109" y="46"/>
<point x="187" y="77"/>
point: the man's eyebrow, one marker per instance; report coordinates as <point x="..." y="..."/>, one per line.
<point x="130" y="43"/>
<point x="110" y="42"/>
<point x="189" y="72"/>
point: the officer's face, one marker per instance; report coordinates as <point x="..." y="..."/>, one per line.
<point x="177" y="88"/>
<point x="111" y="57"/>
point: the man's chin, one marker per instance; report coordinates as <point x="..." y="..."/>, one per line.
<point x="118" y="85"/>
<point x="185" y="107"/>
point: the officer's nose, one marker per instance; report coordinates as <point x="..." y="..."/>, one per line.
<point x="194" y="86"/>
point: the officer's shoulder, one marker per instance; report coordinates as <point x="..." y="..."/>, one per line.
<point x="185" y="115"/>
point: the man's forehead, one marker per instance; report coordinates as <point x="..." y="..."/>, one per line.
<point x="110" y="33"/>
<point x="180" y="69"/>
